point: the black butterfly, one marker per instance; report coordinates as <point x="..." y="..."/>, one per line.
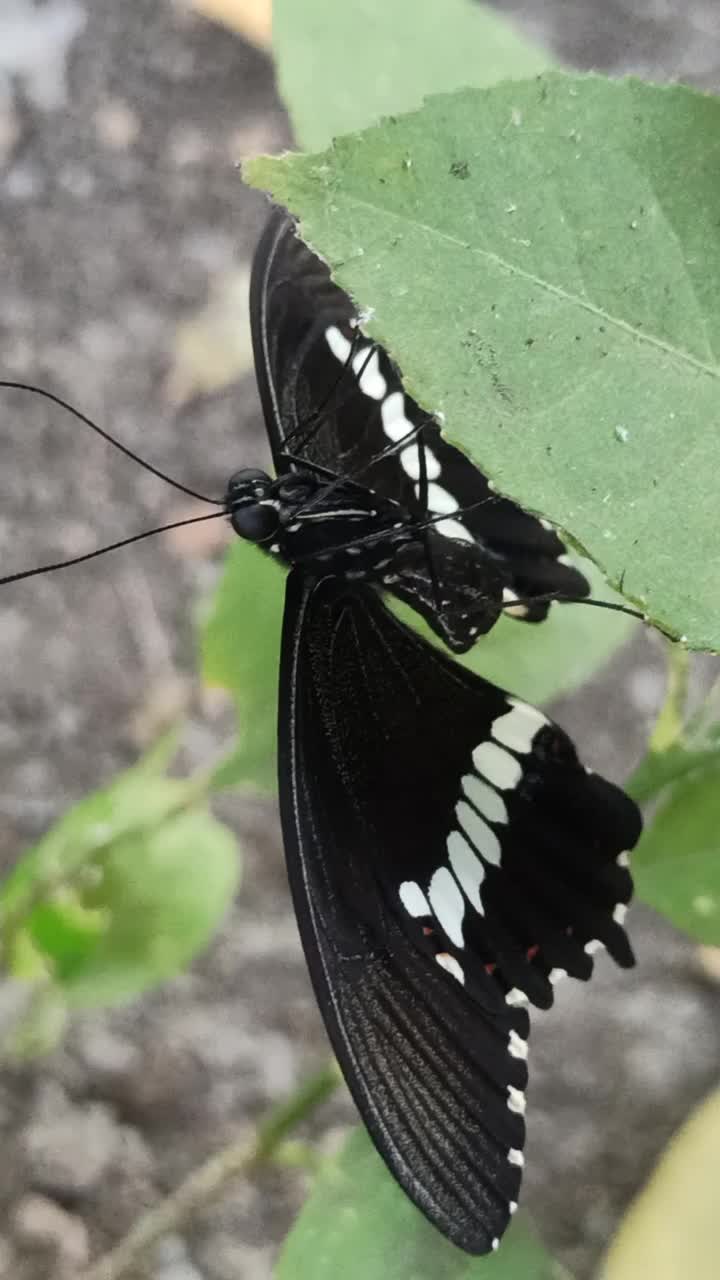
<point x="449" y="856"/>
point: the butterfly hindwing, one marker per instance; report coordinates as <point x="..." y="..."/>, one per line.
<point x="440" y="880"/>
<point x="333" y="399"/>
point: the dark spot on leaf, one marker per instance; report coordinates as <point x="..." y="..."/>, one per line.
<point x="529" y="342"/>
<point x="460" y="169"/>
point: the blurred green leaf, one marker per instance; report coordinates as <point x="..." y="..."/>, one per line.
<point x="548" y="279"/>
<point x="163" y="893"/>
<point x="340" y="69"/>
<point x="240" y="646"/>
<point x="126" y="888"/>
<point x="661" y="768"/>
<point x="358" y="1224"/>
<point x="676" y="866"/>
<point x="140" y="797"/>
<point x="671" y="1230"/>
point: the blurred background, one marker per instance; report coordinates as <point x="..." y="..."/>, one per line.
<point x="125" y="241"/>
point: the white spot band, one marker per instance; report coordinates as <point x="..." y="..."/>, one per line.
<point x="495" y="764"/>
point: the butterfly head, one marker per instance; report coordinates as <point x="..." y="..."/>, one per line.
<point x="254" y="512"/>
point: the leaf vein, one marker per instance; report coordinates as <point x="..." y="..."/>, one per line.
<point x="513" y="269"/>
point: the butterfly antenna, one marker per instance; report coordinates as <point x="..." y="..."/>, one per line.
<point x="422" y="498"/>
<point x="352" y="476"/>
<point x="148" y="466"/>
<point x="101" y="551"/>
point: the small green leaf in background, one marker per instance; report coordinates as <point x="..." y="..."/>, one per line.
<point x="140" y="797"/>
<point x="676" y="866"/>
<point x="122" y="893"/>
<point x="340" y="69"/>
<point x="358" y="1224"/>
<point x="542" y="258"/>
<point x="671" y="1231"/>
<point x="164" y="893"/>
<point x="240" y="646"/>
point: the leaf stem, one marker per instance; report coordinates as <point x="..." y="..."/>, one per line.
<point x="205" y="1182"/>
<point x="670" y="724"/>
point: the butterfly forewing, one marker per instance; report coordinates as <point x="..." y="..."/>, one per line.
<point x="440" y="883"/>
<point x="333" y="399"/>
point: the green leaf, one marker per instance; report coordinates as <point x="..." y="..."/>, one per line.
<point x="138" y="798"/>
<point x="358" y="1224"/>
<point x="676" y="866"/>
<point x="123" y="891"/>
<point x="341" y="69"/>
<point x="659" y="769"/>
<point x="543" y="260"/>
<point x="671" y="1230"/>
<point x="240" y="646"/>
<point x="163" y="893"/>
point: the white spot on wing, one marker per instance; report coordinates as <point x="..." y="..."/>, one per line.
<point x="479" y="833"/>
<point x="414" y="900"/>
<point x="338" y="343"/>
<point x="620" y="913"/>
<point x="557" y="975"/>
<point x="516" y="1157"/>
<point x="484" y="798"/>
<point x="517" y="1047"/>
<point x="516" y="998"/>
<point x="395" y="425"/>
<point x="516" y="1101"/>
<point x="512" y="1207"/>
<point x="453" y="529"/>
<point x="623" y="859"/>
<point x="517" y="728"/>
<point x="467" y="867"/>
<point x="451" y="966"/>
<point x="448" y="904"/>
<point x="439" y="500"/>
<point x="500" y="768"/>
<point x="593" y="946"/>
<point x="410" y="462"/>
<point x="513" y="610"/>
<point x="370" y="380"/>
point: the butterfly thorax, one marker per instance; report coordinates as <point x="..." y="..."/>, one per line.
<point x="329" y="526"/>
<point x="335" y="527"/>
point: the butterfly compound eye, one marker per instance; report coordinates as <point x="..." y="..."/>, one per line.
<point x="253" y="513"/>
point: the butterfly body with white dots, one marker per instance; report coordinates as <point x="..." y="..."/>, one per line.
<point x="341" y="528"/>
